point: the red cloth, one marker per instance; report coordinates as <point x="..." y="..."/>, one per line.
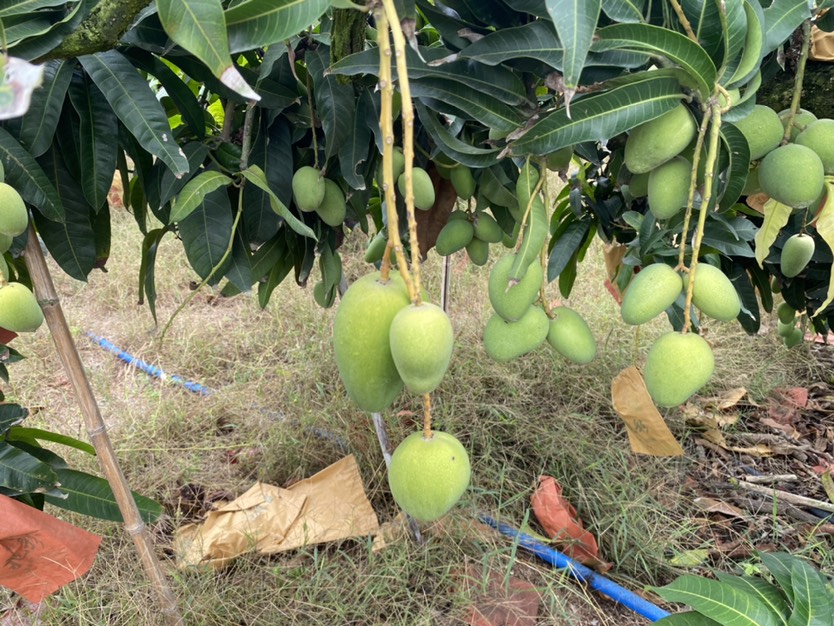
<point x="39" y="553"/>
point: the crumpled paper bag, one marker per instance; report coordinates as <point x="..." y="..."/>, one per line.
<point x="328" y="506"/>
<point x="39" y="553"/>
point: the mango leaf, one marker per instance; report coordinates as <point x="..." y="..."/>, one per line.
<point x="11" y="415"/>
<point x="24" y="174"/>
<point x="98" y="139"/>
<point x="269" y="152"/>
<point x="783" y="17"/>
<point x="136" y="105"/>
<point x="767" y="593"/>
<point x="733" y="21"/>
<point x="147" y="268"/>
<point x="239" y="273"/>
<point x="565" y="245"/>
<point x="195" y="191"/>
<point x="754" y="50"/>
<point x="170" y="184"/>
<point x="812" y="599"/>
<point x="34" y="47"/>
<point x="739" y="152"/>
<point x="750" y="316"/>
<point x="38" y="125"/>
<point x="19" y="432"/>
<point x="205" y="235"/>
<point x="461" y="151"/>
<point x="776" y="215"/>
<point x="664" y="43"/>
<point x="277" y="274"/>
<point x="705" y="21"/>
<point x="91" y="495"/>
<point x="723" y="603"/>
<point x="177" y="90"/>
<point x="256" y="176"/>
<point x="71" y="242"/>
<point x="626" y="11"/>
<point x="496" y="81"/>
<point x="353" y="153"/>
<point x="825" y="229"/>
<point x="601" y="116"/>
<point x="448" y="24"/>
<point x="257" y="23"/>
<point x="200" y="28"/>
<point x="688" y="618"/>
<point x="471" y="102"/>
<point x="22" y="472"/>
<point x="22" y="7"/>
<point x="779" y="565"/>
<point x="575" y="22"/>
<point x="335" y="102"/>
<point x="536" y="40"/>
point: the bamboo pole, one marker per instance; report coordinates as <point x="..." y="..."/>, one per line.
<point x="70" y="359"/>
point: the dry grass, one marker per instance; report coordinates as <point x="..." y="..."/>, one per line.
<point x="274" y="383"/>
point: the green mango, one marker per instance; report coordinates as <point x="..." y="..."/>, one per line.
<point x="796" y="254"/>
<point x="658" y="140"/>
<point x="677" y="366"/>
<point x="650" y="292"/>
<point x="332" y="209"/>
<point x="511" y="301"/>
<point x="783" y="329"/>
<point x="423" y="188"/>
<point x="463" y="181"/>
<point x="5" y="242"/>
<point x="763" y="130"/>
<point x="398" y="165"/>
<point x="478" y="251"/>
<point x="668" y="187"/>
<point x="14" y="218"/>
<point x="785" y="313"/>
<point x="324" y="299"/>
<point x="427" y="477"/>
<point x="376" y="248"/>
<point x="794" y="338"/>
<point x="19" y="309"/>
<point x="800" y="121"/>
<point x="454" y="236"/>
<point x="421" y="340"/>
<point x="713" y="293"/>
<point x="505" y="341"/>
<point x="487" y="229"/>
<point x="639" y="185"/>
<point x="571" y="337"/>
<point x="559" y="161"/>
<point x="361" y="343"/>
<point x="793" y="175"/>
<point x="307" y="188"/>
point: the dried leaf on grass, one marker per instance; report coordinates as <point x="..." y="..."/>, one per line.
<point x="647" y="430"/>
<point x="711" y="505"/>
<point x="717" y="437"/>
<point x="559" y="520"/>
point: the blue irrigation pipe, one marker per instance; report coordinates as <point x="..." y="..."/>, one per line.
<point x="147" y="367"/>
<point x="619" y="594"/>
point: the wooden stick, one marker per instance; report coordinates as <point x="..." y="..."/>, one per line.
<point x="446" y="283"/>
<point x="70" y="359"/>
<point x="770" y="478"/>
<point x="790" y="498"/>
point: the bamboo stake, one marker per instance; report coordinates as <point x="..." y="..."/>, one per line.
<point x="786" y="496"/>
<point x="70" y="359"/>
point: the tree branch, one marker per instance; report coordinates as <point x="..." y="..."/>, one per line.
<point x="100" y="30"/>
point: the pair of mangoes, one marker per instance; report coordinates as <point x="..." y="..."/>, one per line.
<point x="473" y="231"/>
<point x="312" y="192"/>
<point x="383" y="342"/>
<point x="518" y="326"/>
<point x="786" y="326"/>
<point x="422" y="184"/>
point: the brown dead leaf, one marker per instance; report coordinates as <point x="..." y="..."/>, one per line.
<point x="431" y="222"/>
<point x="711" y="505"/>
<point x="757" y="201"/>
<point x="789" y="430"/>
<point x="513" y="604"/>
<point x="717" y="438"/>
<point x="613" y="253"/>
<point x="559" y="520"/>
<point x="726" y="400"/>
<point x="796" y="396"/>
<point x="647" y="430"/>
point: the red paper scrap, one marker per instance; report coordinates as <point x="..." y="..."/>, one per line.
<point x="39" y="553"/>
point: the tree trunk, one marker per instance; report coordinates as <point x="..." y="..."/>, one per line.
<point x="817" y="88"/>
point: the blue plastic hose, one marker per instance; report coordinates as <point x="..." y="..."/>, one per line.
<point x="584" y="574"/>
<point x="147" y="367"/>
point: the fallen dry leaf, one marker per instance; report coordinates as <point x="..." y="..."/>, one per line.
<point x="711" y="505"/>
<point x="513" y="602"/>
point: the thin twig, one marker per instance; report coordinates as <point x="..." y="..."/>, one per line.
<point x="683" y="20"/>
<point x="790" y="498"/>
<point x="799" y="79"/>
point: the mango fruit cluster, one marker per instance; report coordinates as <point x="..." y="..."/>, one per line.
<point x="312" y="192"/>
<point x="19" y="309"/>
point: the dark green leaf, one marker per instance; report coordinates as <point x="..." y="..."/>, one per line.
<point x="750" y="317"/>
<point x="813" y="604"/>
<point x="779" y="565"/>
<point x="239" y="273"/>
<point x="34" y="47"/>
<point x="690" y="618"/>
<point x="147" y="278"/>
<point x="783" y="17"/>
<point x="575" y="21"/>
<point x="704" y="19"/>
<point x="334" y="102"/>
<point x="10" y="415"/>
<point x="627" y="11"/>
<point x="169" y="184"/>
<point x="205" y="234"/>
<point x="354" y="152"/>
<point x="22" y="472"/>
<point x="734" y="23"/>
<point x="24" y="174"/>
<point x="256" y="23"/>
<point x="31" y="447"/>
<point x="91" y="495"/>
<point x="38" y="125"/>
<point x="268" y="255"/>
<point x="192" y="194"/>
<point x="536" y="40"/>
<point x="22" y="7"/>
<point x="664" y="43"/>
<point x="459" y="150"/>
<point x="47" y="435"/>
<point x="723" y="603"/>
<point x="136" y="105"/>
<point x="566" y="246"/>
<point x="767" y="593"/>
<point x="739" y="151"/>
<point x="98" y="135"/>
<point x="601" y="116"/>
<point x="277" y="274"/>
<point x="71" y="242"/>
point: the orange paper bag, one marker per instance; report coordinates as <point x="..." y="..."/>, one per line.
<point x="39" y="554"/>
